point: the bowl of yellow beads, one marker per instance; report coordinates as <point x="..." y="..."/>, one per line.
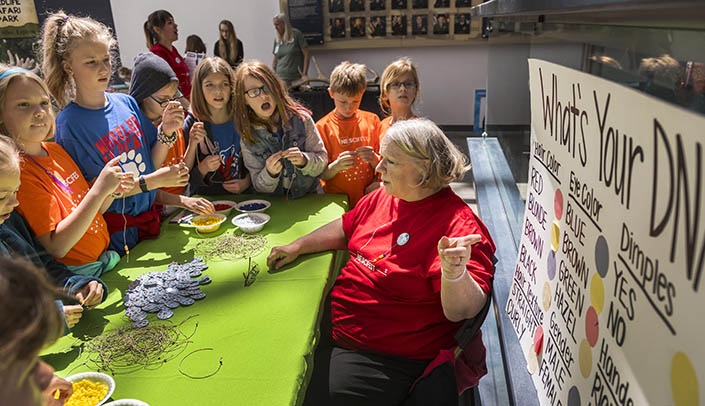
<point x="208" y="223"/>
<point x="90" y="389"/>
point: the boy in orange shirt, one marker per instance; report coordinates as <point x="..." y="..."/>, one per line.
<point x="350" y="135"/>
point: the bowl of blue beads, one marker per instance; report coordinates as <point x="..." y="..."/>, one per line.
<point x="252" y="206"/>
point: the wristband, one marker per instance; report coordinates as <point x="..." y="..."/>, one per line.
<point x="456" y="279"/>
<point x="143" y="184"/>
<point x="167" y="140"/>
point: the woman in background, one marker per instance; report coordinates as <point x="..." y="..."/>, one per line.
<point x="228" y="46"/>
<point x="290" y="51"/>
<point x="161" y="32"/>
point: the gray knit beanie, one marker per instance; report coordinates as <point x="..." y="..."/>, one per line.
<point x="149" y="74"/>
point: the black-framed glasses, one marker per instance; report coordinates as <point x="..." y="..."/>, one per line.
<point x="398" y="85"/>
<point x="163" y="103"/>
<point x="251" y="275"/>
<point x="256" y="91"/>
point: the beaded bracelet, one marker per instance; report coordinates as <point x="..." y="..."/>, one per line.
<point x="167" y="140"/>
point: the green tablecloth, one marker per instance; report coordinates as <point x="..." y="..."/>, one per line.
<point x="264" y="333"/>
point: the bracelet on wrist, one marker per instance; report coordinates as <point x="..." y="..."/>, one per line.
<point x="167" y="140"/>
<point x="143" y="184"/>
<point x="454" y="279"/>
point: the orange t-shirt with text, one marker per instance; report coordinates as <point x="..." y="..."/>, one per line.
<point x="44" y="202"/>
<point x="174" y="156"/>
<point x="347" y="135"/>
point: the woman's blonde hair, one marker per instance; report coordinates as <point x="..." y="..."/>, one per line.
<point x="199" y="105"/>
<point x="288" y="36"/>
<point x="395" y="70"/>
<point x="7" y="74"/>
<point x="59" y="37"/>
<point x="245" y="117"/>
<point x="228" y="47"/>
<point x="156" y="19"/>
<point x="30" y="318"/>
<point x="438" y="159"/>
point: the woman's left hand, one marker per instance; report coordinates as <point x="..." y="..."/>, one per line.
<point x="455" y="253"/>
<point x="90" y="295"/>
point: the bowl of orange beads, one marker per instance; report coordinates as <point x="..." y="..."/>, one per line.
<point x="208" y="223"/>
<point x="90" y="389"/>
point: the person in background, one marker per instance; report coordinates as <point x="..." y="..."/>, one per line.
<point x="280" y="144"/>
<point x="291" y="55"/>
<point x="30" y="321"/>
<point x="420" y="264"/>
<point x="350" y="135"/>
<point x="228" y="46"/>
<point x="17" y="240"/>
<point x="399" y="89"/>
<point x="96" y="126"/>
<point x="161" y="32"/>
<point x="155" y="87"/>
<point x="55" y="199"/>
<point x="220" y="168"/>
<point x="194" y="53"/>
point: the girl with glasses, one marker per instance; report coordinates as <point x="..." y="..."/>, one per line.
<point x="281" y="146"/>
<point x="220" y="169"/>
<point x="399" y="88"/>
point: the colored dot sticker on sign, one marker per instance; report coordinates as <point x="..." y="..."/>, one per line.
<point x="546" y="296"/>
<point x="585" y="358"/>
<point x="532" y="361"/>
<point x="592" y="326"/>
<point x="602" y="256"/>
<point x="538" y="340"/>
<point x="551" y="264"/>
<point x="558" y="204"/>
<point x="597" y="293"/>
<point x="684" y="382"/>
<point x="555" y="235"/>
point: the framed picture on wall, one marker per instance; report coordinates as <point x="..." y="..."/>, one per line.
<point x="462" y="23"/>
<point x="441" y="3"/>
<point x="357" y="27"/>
<point x="398" y="25"/>
<point x="378" y="26"/>
<point x="398" y="4"/>
<point x="463" y="3"/>
<point x="440" y="24"/>
<point x="416" y="4"/>
<point x="337" y="27"/>
<point x="419" y="26"/>
<point x="378" y="5"/>
<point x="357" y="5"/>
<point x="336" y="6"/>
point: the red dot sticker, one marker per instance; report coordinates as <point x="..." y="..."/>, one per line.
<point x="538" y="340"/>
<point x="592" y="326"/>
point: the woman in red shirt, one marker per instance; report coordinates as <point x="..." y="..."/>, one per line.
<point x="161" y="32"/>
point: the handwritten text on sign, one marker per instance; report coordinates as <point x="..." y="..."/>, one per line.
<point x="607" y="281"/>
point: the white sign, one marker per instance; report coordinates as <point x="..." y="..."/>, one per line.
<point x="608" y="282"/>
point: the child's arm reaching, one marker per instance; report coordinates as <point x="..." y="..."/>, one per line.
<point x="70" y="230"/>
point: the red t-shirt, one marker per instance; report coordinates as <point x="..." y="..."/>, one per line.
<point x="177" y="63"/>
<point x="44" y="202"/>
<point x="387" y="298"/>
<point x="340" y="135"/>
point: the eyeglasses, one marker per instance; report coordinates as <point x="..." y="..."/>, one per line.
<point x="163" y="103"/>
<point x="398" y="85"/>
<point x="251" y="275"/>
<point x="254" y="92"/>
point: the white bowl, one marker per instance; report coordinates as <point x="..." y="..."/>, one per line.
<point x="96" y="377"/>
<point x="224" y="203"/>
<point x="212" y="226"/>
<point x="127" y="402"/>
<point x="253" y="206"/>
<point x="251" y="222"/>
